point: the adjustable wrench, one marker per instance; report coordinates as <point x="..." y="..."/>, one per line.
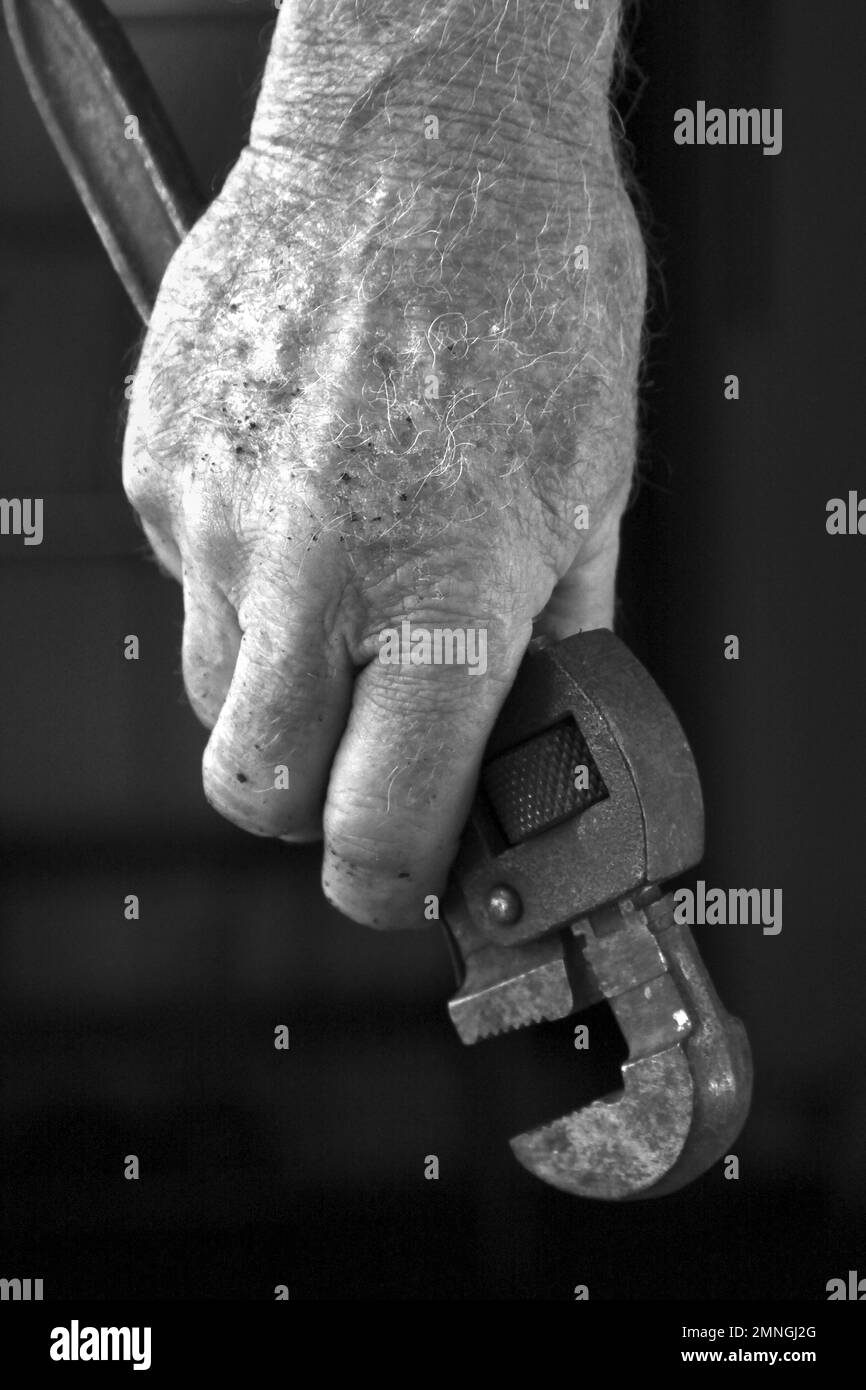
<point x="589" y="798"/>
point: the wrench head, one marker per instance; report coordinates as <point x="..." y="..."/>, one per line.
<point x="623" y="1145"/>
<point x="686" y="1084"/>
<point x="589" y="798"/>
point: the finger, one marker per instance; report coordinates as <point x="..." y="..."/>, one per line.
<point x="266" y="763"/>
<point x="585" y="597"/>
<point x="211" y="640"/>
<point x="403" y="780"/>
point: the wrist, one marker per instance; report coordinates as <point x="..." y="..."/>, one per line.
<point x="441" y="87"/>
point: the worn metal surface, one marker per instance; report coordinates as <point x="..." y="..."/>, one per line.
<point x="593" y="926"/>
<point x="649" y="825"/>
<point x="621" y="1146"/>
<point x="687" y="1079"/>
<point x="89" y="88"/>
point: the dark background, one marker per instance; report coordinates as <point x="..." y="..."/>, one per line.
<point x="155" y="1037"/>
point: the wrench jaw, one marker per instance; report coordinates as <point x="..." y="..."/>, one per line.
<point x="623" y="1145"/>
<point x="687" y="1079"/>
<point x="718" y="1052"/>
<point x="504" y="988"/>
<point x="494" y="1001"/>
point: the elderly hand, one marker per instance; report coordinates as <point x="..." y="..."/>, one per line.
<point x="390" y="385"/>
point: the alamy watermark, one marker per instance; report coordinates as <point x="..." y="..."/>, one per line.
<point x="22" y="516"/>
<point x="21" y="1290"/>
<point x="434" y="646"/>
<point x="77" y="1343"/>
<point x="729" y="907"/>
<point x="737" y="126"/>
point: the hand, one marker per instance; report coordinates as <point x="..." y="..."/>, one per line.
<point x="381" y="384"/>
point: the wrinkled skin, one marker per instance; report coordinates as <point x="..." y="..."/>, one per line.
<point x="374" y="391"/>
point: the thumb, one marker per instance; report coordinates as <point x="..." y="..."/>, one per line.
<point x="585" y="596"/>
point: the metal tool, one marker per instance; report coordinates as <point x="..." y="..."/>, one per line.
<point x="589" y="798"/>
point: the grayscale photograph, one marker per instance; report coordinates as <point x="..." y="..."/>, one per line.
<point x="432" y="520"/>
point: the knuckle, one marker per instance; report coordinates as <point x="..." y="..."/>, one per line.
<point x="232" y="798"/>
<point x="143" y="481"/>
<point x="359" y="907"/>
<point x="432" y="670"/>
<point x="245" y="793"/>
<point x="205" y="702"/>
<point x="367" y="848"/>
<point x="417" y="696"/>
<point x="376" y="887"/>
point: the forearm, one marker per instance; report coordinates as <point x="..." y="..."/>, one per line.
<point x="519" y="91"/>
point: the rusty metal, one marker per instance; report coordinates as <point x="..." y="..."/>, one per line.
<point x="686" y="1082"/>
<point x="111" y="132"/>
<point x="593" y="925"/>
